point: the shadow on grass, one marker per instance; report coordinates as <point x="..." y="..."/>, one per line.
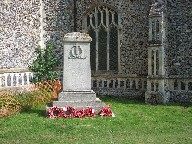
<point x="123" y="100"/>
<point x="110" y="99"/>
<point x="141" y="101"/>
<point x="36" y="110"/>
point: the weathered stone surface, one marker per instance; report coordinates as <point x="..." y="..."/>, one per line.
<point x="19" y="32"/>
<point x="77" y="96"/>
<point x="76" y="68"/>
<point x="77" y="74"/>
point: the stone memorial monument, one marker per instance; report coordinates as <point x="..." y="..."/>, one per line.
<point x="76" y="90"/>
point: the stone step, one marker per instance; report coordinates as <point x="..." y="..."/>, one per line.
<point x="82" y="104"/>
<point x="77" y="96"/>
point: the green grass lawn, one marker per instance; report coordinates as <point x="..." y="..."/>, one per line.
<point x="135" y="122"/>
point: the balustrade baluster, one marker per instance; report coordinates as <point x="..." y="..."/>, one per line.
<point x="17" y="79"/>
<point x="27" y="74"/>
<point x="6" y="75"/>
<point x="12" y="75"/>
<point x="1" y="80"/>
<point x="22" y="79"/>
<point x="31" y="76"/>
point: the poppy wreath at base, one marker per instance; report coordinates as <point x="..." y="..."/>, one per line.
<point x="70" y="112"/>
<point x="55" y="112"/>
<point x="90" y="112"/>
<point x="80" y="113"/>
<point x="105" y="112"/>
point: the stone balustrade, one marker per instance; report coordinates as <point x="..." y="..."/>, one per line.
<point x="124" y="86"/>
<point x="15" y="79"/>
<point x="124" y="83"/>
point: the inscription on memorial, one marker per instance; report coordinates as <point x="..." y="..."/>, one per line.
<point x="76" y="52"/>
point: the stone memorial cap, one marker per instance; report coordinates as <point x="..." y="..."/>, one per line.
<point x="77" y="37"/>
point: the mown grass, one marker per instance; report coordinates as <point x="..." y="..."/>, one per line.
<point x="135" y="123"/>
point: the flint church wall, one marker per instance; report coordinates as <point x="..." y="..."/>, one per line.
<point x="19" y="32"/>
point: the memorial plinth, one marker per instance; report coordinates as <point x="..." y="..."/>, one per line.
<point x="76" y="90"/>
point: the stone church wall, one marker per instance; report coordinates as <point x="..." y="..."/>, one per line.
<point x="19" y="32"/>
<point x="179" y="38"/>
<point x="57" y="22"/>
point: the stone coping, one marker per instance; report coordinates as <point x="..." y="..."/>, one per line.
<point x="169" y="77"/>
<point x="77" y="37"/>
<point x="114" y="75"/>
<point x="14" y="70"/>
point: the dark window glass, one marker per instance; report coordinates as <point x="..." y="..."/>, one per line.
<point x="182" y="86"/>
<point x="175" y="85"/>
<point x="157" y="62"/>
<point x="102" y="50"/>
<point x="113" y="49"/>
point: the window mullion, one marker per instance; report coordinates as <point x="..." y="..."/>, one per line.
<point x="108" y="36"/>
<point x="97" y="38"/>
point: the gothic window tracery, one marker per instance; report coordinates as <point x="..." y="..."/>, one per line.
<point x="155" y="30"/>
<point x="102" y="25"/>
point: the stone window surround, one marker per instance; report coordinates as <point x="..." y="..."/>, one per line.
<point x="157" y="58"/>
<point x="85" y="28"/>
<point x="155" y="34"/>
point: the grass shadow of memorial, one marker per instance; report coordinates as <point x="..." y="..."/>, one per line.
<point x="37" y="110"/>
<point x="141" y="101"/>
<point x="123" y="100"/>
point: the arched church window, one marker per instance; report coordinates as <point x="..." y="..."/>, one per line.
<point x="102" y="25"/>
